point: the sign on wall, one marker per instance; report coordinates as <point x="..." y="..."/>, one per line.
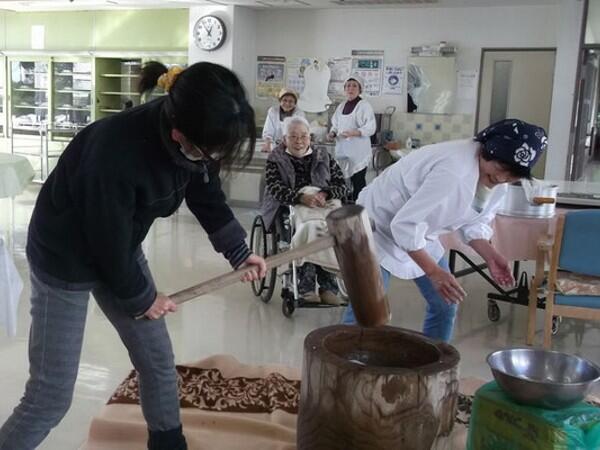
<point x="393" y="78"/>
<point x="369" y="65"/>
<point x="340" y="70"/>
<point x="295" y="72"/>
<point x="270" y="76"/>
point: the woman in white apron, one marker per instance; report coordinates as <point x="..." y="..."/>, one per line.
<point x="440" y="188"/>
<point x="272" y="134"/>
<point x="352" y="126"/>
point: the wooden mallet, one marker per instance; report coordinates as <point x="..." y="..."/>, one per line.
<point x="351" y="237"/>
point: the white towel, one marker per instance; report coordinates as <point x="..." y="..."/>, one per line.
<point x="11" y="286"/>
<point x="310" y="224"/>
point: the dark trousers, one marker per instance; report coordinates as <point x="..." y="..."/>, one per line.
<point x="359" y="181"/>
<point x="55" y="341"/>
<point x="309" y="273"/>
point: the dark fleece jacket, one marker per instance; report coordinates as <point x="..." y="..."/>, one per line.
<point x="112" y="181"/>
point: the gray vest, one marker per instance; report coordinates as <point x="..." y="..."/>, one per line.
<point x="319" y="175"/>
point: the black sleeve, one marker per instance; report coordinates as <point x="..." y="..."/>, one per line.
<point x="206" y="200"/>
<point x="337" y="184"/>
<point x="277" y="188"/>
<point x="107" y="204"/>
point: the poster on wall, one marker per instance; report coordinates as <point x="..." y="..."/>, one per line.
<point x="369" y="65"/>
<point x="295" y="73"/>
<point x="466" y="84"/>
<point x="270" y="75"/>
<point x="340" y="70"/>
<point x="393" y="77"/>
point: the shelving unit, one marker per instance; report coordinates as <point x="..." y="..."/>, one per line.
<point x="116" y="85"/>
<point x="46" y="99"/>
<point x="116" y="82"/>
<point x="71" y="96"/>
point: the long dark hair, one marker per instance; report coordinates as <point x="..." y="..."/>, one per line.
<point x="208" y="104"/>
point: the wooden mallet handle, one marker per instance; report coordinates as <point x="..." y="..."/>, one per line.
<point x="352" y="239"/>
<point x="230" y="278"/>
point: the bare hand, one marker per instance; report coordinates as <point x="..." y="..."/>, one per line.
<point x="162" y="306"/>
<point x="500" y="270"/>
<point x="266" y="147"/>
<point x="321" y="199"/>
<point x="256" y="268"/>
<point x="331" y="136"/>
<point x="447" y="286"/>
<point x="350" y="133"/>
<point x="314" y="200"/>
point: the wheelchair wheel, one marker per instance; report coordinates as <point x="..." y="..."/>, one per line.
<point x="258" y="246"/>
<point x="287" y="305"/>
<point x="270" y="278"/>
<point x="381" y="159"/>
<point x="556" y="320"/>
<point x="263" y="243"/>
<point x="493" y="311"/>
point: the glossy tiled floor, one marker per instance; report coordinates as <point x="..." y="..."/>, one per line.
<point x="232" y="321"/>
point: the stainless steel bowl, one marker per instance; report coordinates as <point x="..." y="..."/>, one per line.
<point x="516" y="203"/>
<point x="543" y="378"/>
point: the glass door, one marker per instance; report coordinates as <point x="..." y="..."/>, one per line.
<point x="2" y="96"/>
<point x="28" y="95"/>
<point x="71" y="97"/>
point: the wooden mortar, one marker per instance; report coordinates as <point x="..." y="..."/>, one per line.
<point x="375" y="389"/>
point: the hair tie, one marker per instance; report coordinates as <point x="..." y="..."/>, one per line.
<point x="167" y="79"/>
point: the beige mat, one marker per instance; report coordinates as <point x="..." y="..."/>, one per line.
<point x="227" y="405"/>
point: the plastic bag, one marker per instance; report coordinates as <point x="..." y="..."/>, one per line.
<point x="498" y="423"/>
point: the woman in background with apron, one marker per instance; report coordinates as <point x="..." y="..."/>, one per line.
<point x="352" y="126"/>
<point x="272" y="131"/>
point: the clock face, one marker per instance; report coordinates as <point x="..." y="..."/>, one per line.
<point x="209" y="33"/>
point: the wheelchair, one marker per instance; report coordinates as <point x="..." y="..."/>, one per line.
<point x="268" y="242"/>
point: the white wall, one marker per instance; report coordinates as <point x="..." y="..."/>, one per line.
<point x="239" y="50"/>
<point x="335" y="32"/>
<point x="563" y="95"/>
<point x="244" y="47"/>
<point x="223" y="55"/>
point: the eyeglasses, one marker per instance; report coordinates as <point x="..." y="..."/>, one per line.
<point x="214" y="157"/>
<point x="300" y="137"/>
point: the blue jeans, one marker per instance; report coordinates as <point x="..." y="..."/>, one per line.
<point x="439" y="316"/>
<point x="55" y="341"/>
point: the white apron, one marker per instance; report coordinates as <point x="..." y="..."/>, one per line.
<point x="352" y="154"/>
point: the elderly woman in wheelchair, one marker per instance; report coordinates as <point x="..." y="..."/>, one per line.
<point x="310" y="182"/>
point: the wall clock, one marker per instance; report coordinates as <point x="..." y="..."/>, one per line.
<point x="209" y="33"/>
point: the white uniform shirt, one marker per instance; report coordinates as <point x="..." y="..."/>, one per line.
<point x="428" y="193"/>
<point x="273" y="129"/>
<point x="354" y="153"/>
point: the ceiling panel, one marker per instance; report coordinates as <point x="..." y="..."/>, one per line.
<point x="70" y="5"/>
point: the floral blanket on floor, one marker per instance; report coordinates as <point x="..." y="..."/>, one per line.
<point x="209" y="390"/>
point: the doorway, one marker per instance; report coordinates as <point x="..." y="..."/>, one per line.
<point x="516" y="83"/>
<point x="584" y="162"/>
